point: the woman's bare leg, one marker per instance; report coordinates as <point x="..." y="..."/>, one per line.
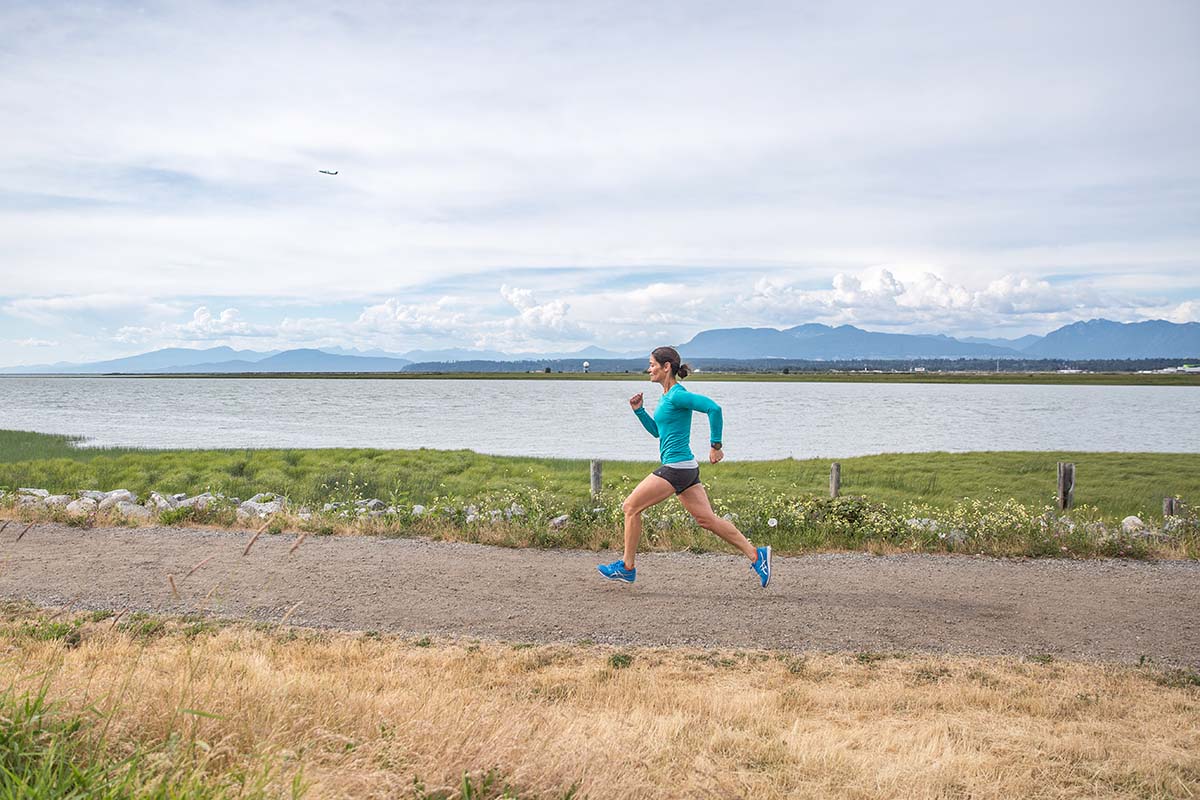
<point x="695" y="500"/>
<point x="651" y="491"/>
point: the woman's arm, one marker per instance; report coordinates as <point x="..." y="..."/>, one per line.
<point x="647" y="421"/>
<point x="706" y="405"/>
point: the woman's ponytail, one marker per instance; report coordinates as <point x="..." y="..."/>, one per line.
<point x="669" y="355"/>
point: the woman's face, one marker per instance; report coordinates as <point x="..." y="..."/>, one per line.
<point x="658" y="372"/>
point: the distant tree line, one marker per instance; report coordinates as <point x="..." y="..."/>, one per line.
<point x="779" y="365"/>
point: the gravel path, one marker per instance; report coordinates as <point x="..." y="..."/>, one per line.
<point x="1095" y="610"/>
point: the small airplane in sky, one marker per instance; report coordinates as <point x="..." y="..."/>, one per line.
<point x="328" y="172"/>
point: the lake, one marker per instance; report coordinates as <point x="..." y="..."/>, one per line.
<point x="592" y="419"/>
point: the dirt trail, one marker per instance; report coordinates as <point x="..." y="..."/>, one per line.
<point x="1103" y="610"/>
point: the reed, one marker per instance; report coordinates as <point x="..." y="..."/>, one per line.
<point x="286" y="711"/>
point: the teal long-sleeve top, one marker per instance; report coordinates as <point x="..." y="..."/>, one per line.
<point x="672" y="422"/>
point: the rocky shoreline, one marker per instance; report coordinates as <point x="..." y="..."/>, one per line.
<point x="125" y="503"/>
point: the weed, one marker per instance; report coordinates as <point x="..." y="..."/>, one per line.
<point x="620" y="660"/>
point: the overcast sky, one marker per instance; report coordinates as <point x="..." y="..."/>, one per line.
<point x="531" y="176"/>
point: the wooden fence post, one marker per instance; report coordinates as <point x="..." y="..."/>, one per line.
<point x="597" y="469"/>
<point x="1066" y="485"/>
<point x="835" y="479"/>
<point x="1170" y="507"/>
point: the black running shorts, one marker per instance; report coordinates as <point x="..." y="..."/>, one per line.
<point x="680" y="479"/>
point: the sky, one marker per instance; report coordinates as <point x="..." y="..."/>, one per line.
<point x="533" y="176"/>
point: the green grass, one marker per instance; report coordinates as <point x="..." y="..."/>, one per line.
<point x="1117" y="484"/>
<point x="47" y="752"/>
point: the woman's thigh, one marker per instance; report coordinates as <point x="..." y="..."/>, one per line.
<point x="651" y="491"/>
<point x="695" y="500"/>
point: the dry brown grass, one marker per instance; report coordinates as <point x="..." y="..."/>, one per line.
<point x="364" y="715"/>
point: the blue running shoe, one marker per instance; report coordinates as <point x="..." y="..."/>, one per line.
<point x="762" y="567"/>
<point x="616" y="572"/>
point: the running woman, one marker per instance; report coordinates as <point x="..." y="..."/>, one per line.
<point x="680" y="472"/>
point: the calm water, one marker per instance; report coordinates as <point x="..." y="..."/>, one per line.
<point x="577" y="419"/>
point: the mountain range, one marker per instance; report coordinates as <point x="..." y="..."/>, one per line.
<point x="1094" y="339"/>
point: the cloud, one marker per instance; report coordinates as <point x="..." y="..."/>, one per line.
<point x="202" y="327"/>
<point x="50" y="310"/>
<point x="527" y="138"/>
<point x="545" y="324"/>
<point x="929" y="303"/>
<point x="34" y="343"/>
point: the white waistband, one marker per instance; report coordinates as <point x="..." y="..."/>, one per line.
<point x="691" y="463"/>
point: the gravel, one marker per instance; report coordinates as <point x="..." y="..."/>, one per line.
<point x="1107" y="610"/>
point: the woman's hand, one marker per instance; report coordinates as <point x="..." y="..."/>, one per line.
<point x="635" y="402"/>
<point x="715" y="455"/>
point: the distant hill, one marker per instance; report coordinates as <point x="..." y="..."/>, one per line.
<point x="350" y="351"/>
<point x="1020" y="343"/>
<point x="1102" y="338"/>
<point x="456" y="354"/>
<point x="1095" y="340"/>
<point x="149" y="362"/>
<point x="815" y="341"/>
<point x="303" y="360"/>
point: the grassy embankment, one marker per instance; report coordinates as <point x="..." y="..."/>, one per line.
<point x="233" y="710"/>
<point x="997" y="499"/>
<point x="1050" y="378"/>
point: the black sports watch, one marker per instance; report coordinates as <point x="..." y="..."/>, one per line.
<point x="716" y="445"/>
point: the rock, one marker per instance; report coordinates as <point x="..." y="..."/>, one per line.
<point x="262" y="497"/>
<point x="57" y="500"/>
<point x="663" y="524"/>
<point x="495" y="516"/>
<point x="923" y="524"/>
<point x="27" y="500"/>
<point x="330" y="507"/>
<point x="82" y="507"/>
<point x="305" y="515"/>
<point x="515" y="510"/>
<point x="122" y="494"/>
<point x="376" y="505"/>
<point x="472" y="518"/>
<point x="559" y="521"/>
<point x="1132" y="524"/>
<point x="34" y="492"/>
<point x="252" y="508"/>
<point x="132" y="510"/>
<point x="159" y="502"/>
<point x="418" y="511"/>
<point x="200" y="502"/>
<point x="178" y="497"/>
<point x="92" y="494"/>
<point x="956" y="537"/>
<point x="376" y="514"/>
<point x="471" y="510"/>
